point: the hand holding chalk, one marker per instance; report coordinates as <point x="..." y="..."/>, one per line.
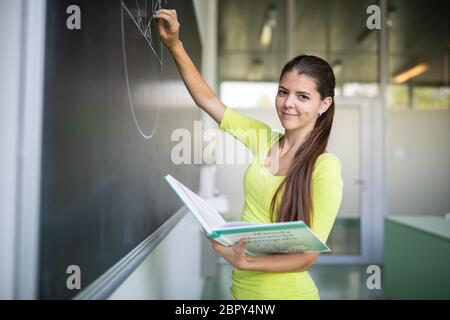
<point x="169" y="27"/>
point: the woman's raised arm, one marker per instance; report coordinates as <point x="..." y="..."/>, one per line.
<point x="204" y="97"/>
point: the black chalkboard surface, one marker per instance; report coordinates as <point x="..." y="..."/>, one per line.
<point x="112" y="98"/>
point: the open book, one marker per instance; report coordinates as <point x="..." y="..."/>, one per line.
<point x="281" y="237"/>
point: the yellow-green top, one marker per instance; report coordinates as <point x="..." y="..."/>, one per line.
<point x="259" y="188"/>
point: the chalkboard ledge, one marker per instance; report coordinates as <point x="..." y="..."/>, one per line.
<point x="106" y="284"/>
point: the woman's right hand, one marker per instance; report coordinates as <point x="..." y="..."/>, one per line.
<point x="169" y="27"/>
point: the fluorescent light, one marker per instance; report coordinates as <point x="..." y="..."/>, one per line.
<point x="411" y="73"/>
<point x="266" y="36"/>
<point x="270" y="22"/>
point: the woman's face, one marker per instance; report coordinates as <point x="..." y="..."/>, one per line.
<point x="298" y="102"/>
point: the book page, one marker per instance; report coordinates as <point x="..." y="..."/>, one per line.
<point x="207" y="215"/>
<point x="232" y="224"/>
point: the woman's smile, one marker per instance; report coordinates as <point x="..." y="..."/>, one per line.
<point x="288" y="116"/>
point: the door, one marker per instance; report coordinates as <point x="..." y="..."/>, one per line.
<point x="349" y="140"/>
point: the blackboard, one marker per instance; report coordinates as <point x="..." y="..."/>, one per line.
<point x="112" y="98"/>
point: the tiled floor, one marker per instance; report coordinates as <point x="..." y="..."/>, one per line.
<point x="335" y="282"/>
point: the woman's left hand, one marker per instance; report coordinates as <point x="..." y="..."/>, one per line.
<point x="235" y="255"/>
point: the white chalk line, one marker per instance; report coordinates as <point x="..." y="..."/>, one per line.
<point x="130" y="100"/>
<point x="142" y="32"/>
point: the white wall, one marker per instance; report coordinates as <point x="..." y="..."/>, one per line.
<point x="10" y="33"/>
<point x="418" y="164"/>
<point x="171" y="271"/>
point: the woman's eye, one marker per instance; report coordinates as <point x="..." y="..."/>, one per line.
<point x="281" y="93"/>
<point x="303" y="97"/>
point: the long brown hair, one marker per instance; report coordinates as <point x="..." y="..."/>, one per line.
<point x="296" y="200"/>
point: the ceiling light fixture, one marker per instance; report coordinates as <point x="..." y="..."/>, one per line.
<point x="270" y="22"/>
<point x="411" y="73"/>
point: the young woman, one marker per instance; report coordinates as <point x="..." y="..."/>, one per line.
<point x="305" y="184"/>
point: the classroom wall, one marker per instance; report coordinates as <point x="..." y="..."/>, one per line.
<point x="418" y="162"/>
<point x="10" y="33"/>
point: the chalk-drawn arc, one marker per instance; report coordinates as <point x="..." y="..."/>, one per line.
<point x="124" y="8"/>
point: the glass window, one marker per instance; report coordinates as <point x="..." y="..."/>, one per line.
<point x="355" y="89"/>
<point x="397" y="97"/>
<point x="431" y="98"/>
<point x="248" y="94"/>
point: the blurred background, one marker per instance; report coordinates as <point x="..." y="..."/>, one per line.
<point x="391" y="239"/>
<point x="391" y="129"/>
